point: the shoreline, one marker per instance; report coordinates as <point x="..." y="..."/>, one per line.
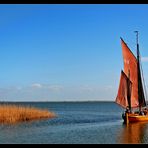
<point x="53" y="101"/>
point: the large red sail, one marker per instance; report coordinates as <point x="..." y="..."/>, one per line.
<point x="130" y="69"/>
<point x="124" y="91"/>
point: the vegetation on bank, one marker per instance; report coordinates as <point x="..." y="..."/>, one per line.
<point x="10" y="114"/>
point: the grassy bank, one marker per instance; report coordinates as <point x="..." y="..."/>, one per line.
<point x="10" y="114"/>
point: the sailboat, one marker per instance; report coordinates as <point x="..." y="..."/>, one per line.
<point x="132" y="92"/>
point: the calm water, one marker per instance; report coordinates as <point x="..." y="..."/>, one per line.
<point x="89" y="122"/>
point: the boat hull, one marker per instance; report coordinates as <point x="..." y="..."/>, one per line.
<point x="135" y="118"/>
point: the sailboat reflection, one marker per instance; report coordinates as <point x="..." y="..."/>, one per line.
<point x="133" y="133"/>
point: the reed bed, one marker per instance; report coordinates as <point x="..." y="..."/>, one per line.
<point x="10" y="114"/>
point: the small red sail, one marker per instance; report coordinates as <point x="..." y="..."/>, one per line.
<point x="130" y="69"/>
<point x="123" y="91"/>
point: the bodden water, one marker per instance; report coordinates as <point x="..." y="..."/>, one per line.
<point x="79" y="122"/>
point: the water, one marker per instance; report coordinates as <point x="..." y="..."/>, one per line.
<point x="84" y="123"/>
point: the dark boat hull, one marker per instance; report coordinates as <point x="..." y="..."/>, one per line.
<point x="130" y="117"/>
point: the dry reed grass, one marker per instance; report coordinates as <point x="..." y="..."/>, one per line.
<point x="10" y="114"/>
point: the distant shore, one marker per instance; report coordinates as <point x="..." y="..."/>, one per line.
<point x="1" y="102"/>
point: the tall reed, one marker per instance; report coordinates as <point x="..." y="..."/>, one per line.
<point x="16" y="113"/>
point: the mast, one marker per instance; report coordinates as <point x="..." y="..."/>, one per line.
<point x="141" y="96"/>
<point x="129" y="91"/>
<point x="137" y="47"/>
<point x="138" y="69"/>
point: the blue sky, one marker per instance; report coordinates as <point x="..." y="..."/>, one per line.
<point x="67" y="52"/>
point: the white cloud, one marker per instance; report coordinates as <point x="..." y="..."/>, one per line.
<point x="47" y="87"/>
<point x="144" y="59"/>
<point x="36" y="85"/>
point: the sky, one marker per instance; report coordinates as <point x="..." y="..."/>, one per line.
<point x="67" y="52"/>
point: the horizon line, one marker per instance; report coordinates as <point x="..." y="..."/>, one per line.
<point x="57" y="101"/>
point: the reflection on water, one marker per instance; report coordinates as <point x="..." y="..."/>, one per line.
<point x="134" y="133"/>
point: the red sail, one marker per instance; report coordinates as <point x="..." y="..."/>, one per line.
<point x="124" y="88"/>
<point x="130" y="69"/>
